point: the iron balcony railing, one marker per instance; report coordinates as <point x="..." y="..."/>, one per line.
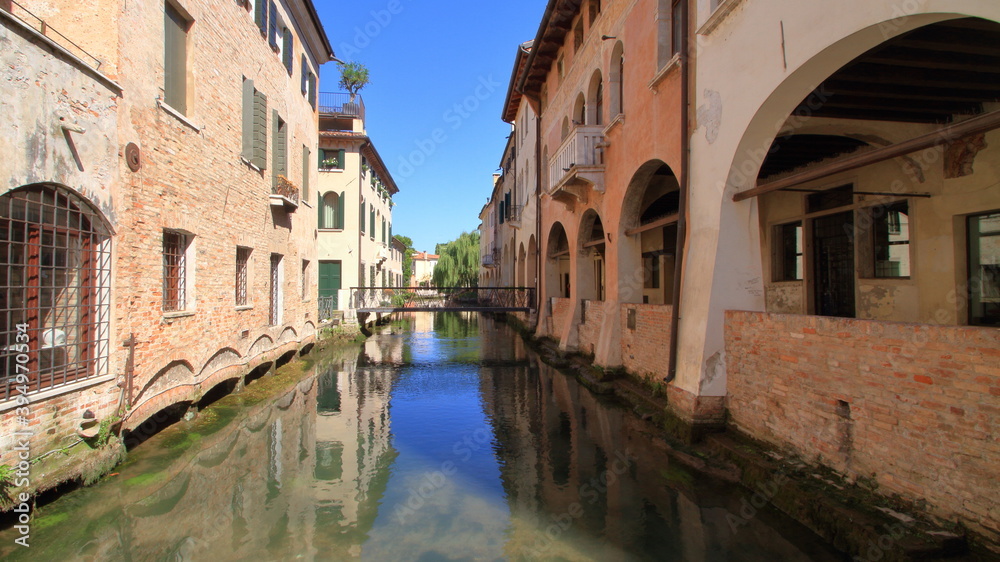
<point x="340" y="104"/>
<point x="38" y="24"/>
<point x="443" y="298"/>
<point x="327" y="308"/>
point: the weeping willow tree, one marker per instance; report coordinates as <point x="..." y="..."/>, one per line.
<point x="458" y="264"/>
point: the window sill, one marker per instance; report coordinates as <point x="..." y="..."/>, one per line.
<point x="718" y="16"/>
<point x="178" y="314"/>
<point x="672" y="64"/>
<point x="615" y="122"/>
<point x="244" y="308"/>
<point x="334" y="170"/>
<point x="331" y="229"/>
<point x="37" y="397"/>
<point x="177" y="114"/>
<point x="251" y="165"/>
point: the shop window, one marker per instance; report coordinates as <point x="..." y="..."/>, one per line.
<point x="884" y="234"/>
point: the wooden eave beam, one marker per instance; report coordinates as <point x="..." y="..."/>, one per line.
<point x="660" y="222"/>
<point x="945" y="135"/>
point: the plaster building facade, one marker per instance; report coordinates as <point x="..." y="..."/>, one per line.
<point x="423" y="269"/>
<point x="355" y="207"/>
<point x="795" y="232"/>
<point x="155" y="242"/>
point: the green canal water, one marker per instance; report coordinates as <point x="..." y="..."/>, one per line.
<point x="444" y="438"/>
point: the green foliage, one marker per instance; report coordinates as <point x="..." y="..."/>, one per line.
<point x="353" y="77"/>
<point x="407" y="257"/>
<point x="458" y="265"/>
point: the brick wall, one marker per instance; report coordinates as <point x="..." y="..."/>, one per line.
<point x="646" y="349"/>
<point x="561" y="309"/>
<point x="915" y="405"/>
<point x="590" y="331"/>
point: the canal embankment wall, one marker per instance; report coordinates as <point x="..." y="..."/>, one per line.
<point x="898" y="403"/>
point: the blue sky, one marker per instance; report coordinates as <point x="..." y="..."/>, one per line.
<point x="439" y="76"/>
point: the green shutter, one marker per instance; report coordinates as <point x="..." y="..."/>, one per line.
<point x="272" y="24"/>
<point x="319" y="206"/>
<point x="174" y="59"/>
<point x="371" y="215"/>
<point x="363" y="219"/>
<point x="260" y="15"/>
<point x="305" y="75"/>
<point x="306" y="164"/>
<point x="342" y="159"/>
<point x="329" y="280"/>
<point x="286" y="50"/>
<point x="312" y="90"/>
<point x="248" y="101"/>
<point x="279" y="152"/>
<point x="259" y="130"/>
<point x="340" y="210"/>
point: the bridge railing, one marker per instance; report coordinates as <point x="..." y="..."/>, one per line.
<point x="500" y="298"/>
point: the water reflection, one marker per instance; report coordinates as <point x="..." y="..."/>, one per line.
<point x="443" y="438"/>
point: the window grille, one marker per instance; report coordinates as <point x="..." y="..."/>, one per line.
<point x="55" y="270"/>
<point x="274" y="316"/>
<point x="174" y="271"/>
<point x="242" y="263"/>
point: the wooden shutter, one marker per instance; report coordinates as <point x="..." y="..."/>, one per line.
<point x="272" y="24"/>
<point x="248" y="106"/>
<point x="372" y="220"/>
<point x="260" y="15"/>
<point x="306" y="164"/>
<point x="342" y="159"/>
<point x="279" y="152"/>
<point x="363" y="219"/>
<point x="321" y="203"/>
<point x="286" y="50"/>
<point x="312" y="90"/>
<point x="259" y="130"/>
<point x="340" y="210"/>
<point x="174" y="59"/>
<point x="305" y="75"/>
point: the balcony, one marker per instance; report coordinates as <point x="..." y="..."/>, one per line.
<point x="339" y="105"/>
<point x="513" y="213"/>
<point x="492" y="257"/>
<point x="285" y="194"/>
<point x="579" y="164"/>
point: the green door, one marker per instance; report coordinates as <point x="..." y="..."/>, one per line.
<point x="329" y="286"/>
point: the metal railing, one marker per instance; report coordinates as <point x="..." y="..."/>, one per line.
<point x="327" y="308"/>
<point x="38" y="24"/>
<point x="339" y="104"/>
<point x="486" y="299"/>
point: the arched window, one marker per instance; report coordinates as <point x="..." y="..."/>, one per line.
<point x="595" y="99"/>
<point x="565" y="128"/>
<point x="331" y="210"/>
<point x="55" y="283"/>
<point x="618" y="79"/>
<point x="580" y="111"/>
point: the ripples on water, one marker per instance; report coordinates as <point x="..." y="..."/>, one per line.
<point x="442" y="439"/>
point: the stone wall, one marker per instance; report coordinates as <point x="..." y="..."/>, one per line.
<point x="912" y="405"/>
<point x="561" y="309"/>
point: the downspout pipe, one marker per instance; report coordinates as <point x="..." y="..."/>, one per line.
<point x="685" y="185"/>
<point x="538" y="218"/>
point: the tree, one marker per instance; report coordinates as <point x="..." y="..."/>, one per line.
<point x="407" y="257"/>
<point x="353" y="77"/>
<point x="458" y="264"/>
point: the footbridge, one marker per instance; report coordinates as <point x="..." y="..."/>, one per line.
<point x="384" y="300"/>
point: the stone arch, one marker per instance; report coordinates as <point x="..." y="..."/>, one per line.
<point x="225" y="357"/>
<point x="592" y="243"/>
<point x="176" y="373"/>
<point x="617" y="74"/>
<point x="646" y="258"/>
<point x="564" y="131"/>
<point x="557" y="263"/>
<point x="595" y="99"/>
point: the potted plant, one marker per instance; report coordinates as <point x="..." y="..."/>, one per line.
<point x="330" y="164"/>
<point x="353" y="77"/>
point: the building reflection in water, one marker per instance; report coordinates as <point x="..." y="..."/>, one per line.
<point x="586" y="480"/>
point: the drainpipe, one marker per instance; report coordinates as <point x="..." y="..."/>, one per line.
<point x="538" y="218"/>
<point x="685" y="184"/>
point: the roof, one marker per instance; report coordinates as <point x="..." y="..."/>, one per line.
<point x="327" y="50"/>
<point x="424" y="256"/>
<point x="513" y="101"/>
<point x="556" y="23"/>
<point x="369" y="152"/>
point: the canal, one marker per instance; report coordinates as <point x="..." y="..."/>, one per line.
<point x="441" y="438"/>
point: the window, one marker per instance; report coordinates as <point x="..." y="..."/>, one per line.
<point x="578" y="35"/>
<point x="362" y="218"/>
<point x="371" y="277"/>
<point x="830" y="199"/>
<point x="55" y="283"/>
<point x="175" y="271"/>
<point x="242" y="266"/>
<point x="651" y="270"/>
<point x="254" y="125"/>
<point x="331" y="211"/>
<point x="884" y="231"/>
<point x="561" y="68"/>
<point x="276" y="295"/>
<point x="595" y="10"/>
<point x="332" y="159"/>
<point x="384" y="273"/>
<point x="618" y="79"/>
<point x="786" y="261"/>
<point x="984" y="269"/>
<point x="175" y="29"/>
<point x="676" y="27"/>
<point x="305" y="280"/>
<point x="361" y="275"/>
<point x="279" y="153"/>
<point x="286" y="50"/>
